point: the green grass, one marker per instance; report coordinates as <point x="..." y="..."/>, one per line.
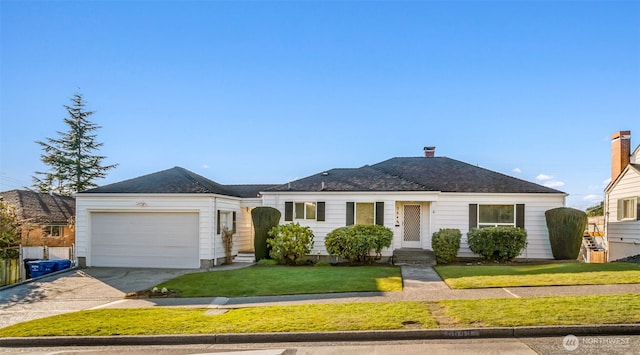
<point x="567" y="310"/>
<point x="483" y="276"/>
<point x="302" y="318"/>
<point x="511" y="312"/>
<point x="282" y="280"/>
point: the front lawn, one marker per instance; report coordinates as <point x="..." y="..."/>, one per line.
<point x="510" y="312"/>
<point x="284" y="280"/>
<point x="302" y="318"/>
<point x="532" y="311"/>
<point x="552" y="274"/>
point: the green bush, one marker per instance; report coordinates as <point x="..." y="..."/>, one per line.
<point x="357" y="242"/>
<point x="566" y="228"/>
<point x="497" y="243"/>
<point x="323" y="264"/>
<point x="290" y="242"/>
<point x="446" y="243"/>
<point x="264" y="218"/>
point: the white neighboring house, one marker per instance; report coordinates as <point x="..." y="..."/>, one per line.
<point x="172" y="218"/>
<point x="622" y="199"/>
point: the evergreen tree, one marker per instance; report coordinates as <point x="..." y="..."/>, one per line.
<point x="597" y="210"/>
<point x="73" y="167"/>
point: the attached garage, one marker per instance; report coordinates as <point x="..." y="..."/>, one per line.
<point x="145" y="239"/>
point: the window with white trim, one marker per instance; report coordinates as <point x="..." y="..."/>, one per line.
<point x="304" y="210"/>
<point x="53" y="231"/>
<point x="496" y="215"/>
<point x="225" y="220"/>
<point x="628" y="208"/>
<point x="365" y="213"/>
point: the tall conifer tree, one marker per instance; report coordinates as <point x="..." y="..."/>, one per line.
<point x="73" y="165"/>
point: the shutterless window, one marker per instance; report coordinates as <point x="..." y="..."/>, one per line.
<point x="496" y="215"/>
<point x="627" y="208"/>
<point x="53" y="231"/>
<point x="365" y="213"/>
<point x="305" y="210"/>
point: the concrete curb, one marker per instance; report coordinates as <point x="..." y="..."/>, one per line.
<point x="372" y="335"/>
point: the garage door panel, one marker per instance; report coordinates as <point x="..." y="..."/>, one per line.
<point x="163" y="240"/>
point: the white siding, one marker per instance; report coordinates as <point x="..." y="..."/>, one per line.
<point x="623" y="236"/>
<point x="452" y="211"/>
<point x="440" y="210"/>
<point x="209" y="243"/>
<point x="336" y="211"/>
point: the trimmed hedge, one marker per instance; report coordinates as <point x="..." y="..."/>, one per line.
<point x="264" y="218"/>
<point x="290" y="242"/>
<point x="566" y="228"/>
<point x="445" y="244"/>
<point x="497" y="243"/>
<point x="357" y="242"/>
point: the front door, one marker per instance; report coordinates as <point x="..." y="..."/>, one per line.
<point x="411" y="227"/>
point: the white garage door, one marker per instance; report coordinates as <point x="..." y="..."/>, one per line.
<point x="146" y="239"/>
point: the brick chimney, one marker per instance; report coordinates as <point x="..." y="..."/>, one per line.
<point x="429" y="152"/>
<point x="620" y="152"/>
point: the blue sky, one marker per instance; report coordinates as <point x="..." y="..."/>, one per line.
<point x="267" y="92"/>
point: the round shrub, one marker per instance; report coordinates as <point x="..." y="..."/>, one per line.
<point x="497" y="243"/>
<point x="357" y="242"/>
<point x="445" y="244"/>
<point x="566" y="227"/>
<point x="290" y="242"/>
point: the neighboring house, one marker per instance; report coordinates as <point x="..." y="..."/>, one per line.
<point x="622" y="199"/>
<point x="173" y="218"/>
<point x="47" y="219"/>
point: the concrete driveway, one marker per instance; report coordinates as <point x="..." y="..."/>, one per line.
<point x="76" y="290"/>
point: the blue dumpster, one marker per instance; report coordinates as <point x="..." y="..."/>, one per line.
<point x="41" y="268"/>
<point x="61" y="264"/>
<point x="27" y="268"/>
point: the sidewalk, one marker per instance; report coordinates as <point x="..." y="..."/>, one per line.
<point x="421" y="283"/>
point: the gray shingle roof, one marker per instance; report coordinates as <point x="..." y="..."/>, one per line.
<point x="450" y="175"/>
<point x="415" y="174"/>
<point x="41" y="207"/>
<point x="180" y="181"/>
<point x="365" y="178"/>
<point x="396" y="174"/>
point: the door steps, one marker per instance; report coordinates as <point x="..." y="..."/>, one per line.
<point x="245" y="257"/>
<point x="413" y="256"/>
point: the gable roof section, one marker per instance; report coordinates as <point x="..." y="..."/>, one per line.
<point x="415" y="174"/>
<point x="630" y="167"/>
<point x="179" y="181"/>
<point x="41" y="207"/>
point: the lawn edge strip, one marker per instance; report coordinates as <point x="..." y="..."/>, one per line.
<point x="371" y="335"/>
